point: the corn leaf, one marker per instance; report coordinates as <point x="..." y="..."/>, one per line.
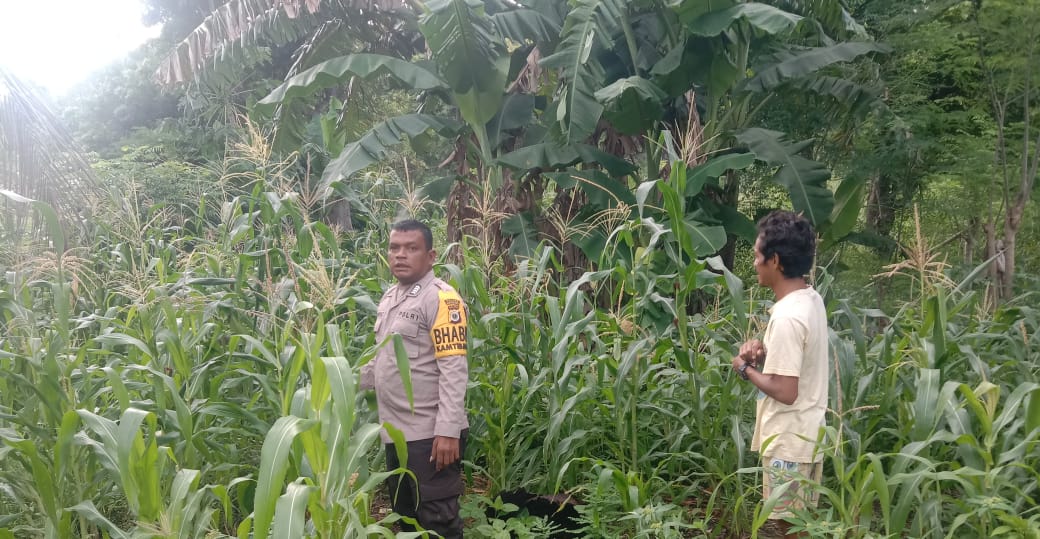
<point x="290" y="512"/>
<point x="274" y="462"/>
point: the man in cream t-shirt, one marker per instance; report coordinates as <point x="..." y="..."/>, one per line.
<point x="790" y="368"/>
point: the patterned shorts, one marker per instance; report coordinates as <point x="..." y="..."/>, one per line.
<point x="777" y="472"/>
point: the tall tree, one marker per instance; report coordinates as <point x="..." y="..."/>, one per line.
<point x="1011" y="67"/>
<point x="236" y="35"/>
<point x="961" y="89"/>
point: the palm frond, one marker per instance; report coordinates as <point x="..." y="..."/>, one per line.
<point x="38" y="157"/>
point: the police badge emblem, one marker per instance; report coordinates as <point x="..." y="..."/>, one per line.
<point x="454" y="306"/>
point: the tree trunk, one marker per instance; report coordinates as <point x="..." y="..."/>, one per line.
<point x="1005" y="287"/>
<point x="461" y="216"/>
<point x="566" y="205"/>
<point x="991" y="250"/>
<point x="459" y="209"/>
<point x="730" y="196"/>
<point x="881" y="212"/>
<point x="1002" y="270"/>
<point x="340" y="216"/>
<point x="1012" y="224"/>
<point x="969" y="241"/>
<point x="473" y="211"/>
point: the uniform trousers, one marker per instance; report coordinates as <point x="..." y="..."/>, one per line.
<point x="435" y="503"/>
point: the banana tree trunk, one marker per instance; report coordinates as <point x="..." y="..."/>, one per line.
<point x="730" y="196"/>
<point x="339" y="215"/>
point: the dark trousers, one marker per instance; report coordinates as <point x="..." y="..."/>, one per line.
<point x="434" y="502"/>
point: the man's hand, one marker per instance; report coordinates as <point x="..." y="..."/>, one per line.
<point x="753" y="352"/>
<point x="445" y="451"/>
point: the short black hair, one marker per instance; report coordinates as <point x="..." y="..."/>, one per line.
<point x="791" y="236"/>
<point x="408" y="225"/>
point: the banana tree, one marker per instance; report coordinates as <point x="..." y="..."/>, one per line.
<point x="625" y="71"/>
<point x="637" y="66"/>
<point x="232" y="55"/>
<point x="472" y="70"/>
<point x="231" y="40"/>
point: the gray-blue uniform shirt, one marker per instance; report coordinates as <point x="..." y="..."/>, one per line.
<point x="430" y="317"/>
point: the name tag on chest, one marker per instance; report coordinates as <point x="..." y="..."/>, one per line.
<point x="408" y="315"/>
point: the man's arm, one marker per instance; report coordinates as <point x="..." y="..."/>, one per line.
<point x="368" y="370"/>
<point x="786" y="354"/>
<point x="368" y="375"/>
<point x="780" y="387"/>
<point x="451" y="410"/>
<point x="451" y="406"/>
<point x="449" y="336"/>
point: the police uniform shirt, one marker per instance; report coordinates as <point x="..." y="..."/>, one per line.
<point x="430" y="317"/>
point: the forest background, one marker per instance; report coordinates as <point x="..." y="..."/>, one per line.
<point x="193" y="245"/>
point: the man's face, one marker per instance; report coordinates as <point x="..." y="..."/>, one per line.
<point x="409" y="259"/>
<point x="765" y="269"/>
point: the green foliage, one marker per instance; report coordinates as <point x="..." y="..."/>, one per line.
<point x="766" y="18"/>
<point x="804" y="179"/>
<point x="175" y="386"/>
<point x="471" y="57"/>
<point x="550" y="155"/>
<point x="475" y="509"/>
<point x="187" y="366"/>
<point x="209" y="387"/>
<point x="536" y="102"/>
<point x="157" y="178"/>
<point x="105" y="110"/>
<point x="796" y="64"/>
<point x="374" y="146"/>
<point x="632" y="105"/>
<point x="333" y="72"/>
<point x="587" y="29"/>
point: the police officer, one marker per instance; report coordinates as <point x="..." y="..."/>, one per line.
<point x="430" y="317"/>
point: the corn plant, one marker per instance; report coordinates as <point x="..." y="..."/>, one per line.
<point x="197" y="378"/>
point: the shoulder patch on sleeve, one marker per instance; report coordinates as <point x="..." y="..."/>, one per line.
<point x="448" y="331"/>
